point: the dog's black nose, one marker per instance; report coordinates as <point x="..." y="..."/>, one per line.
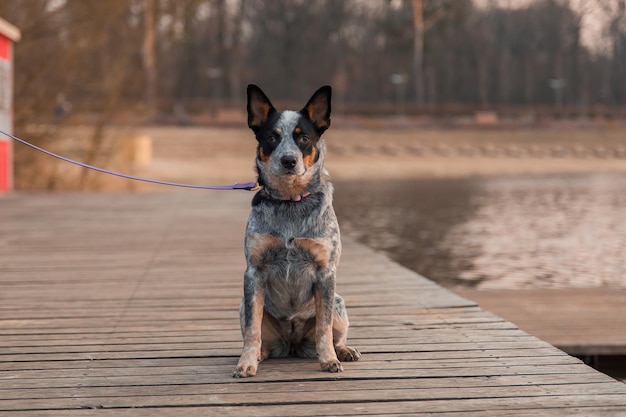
<point x="288" y="161"/>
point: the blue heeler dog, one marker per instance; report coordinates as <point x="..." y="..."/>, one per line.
<point x="292" y="244"/>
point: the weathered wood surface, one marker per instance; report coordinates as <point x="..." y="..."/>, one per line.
<point x="580" y="321"/>
<point x="116" y="305"/>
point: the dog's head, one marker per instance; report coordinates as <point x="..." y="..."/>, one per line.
<point x="290" y="151"/>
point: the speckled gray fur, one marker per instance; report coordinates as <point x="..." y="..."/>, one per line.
<point x="292" y="243"/>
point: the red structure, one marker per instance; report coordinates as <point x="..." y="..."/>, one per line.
<point x="9" y="34"/>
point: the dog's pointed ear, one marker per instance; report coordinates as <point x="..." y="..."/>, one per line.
<point x="259" y="107"/>
<point x="317" y="110"/>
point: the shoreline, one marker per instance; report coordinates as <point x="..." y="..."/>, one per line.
<point x="201" y="155"/>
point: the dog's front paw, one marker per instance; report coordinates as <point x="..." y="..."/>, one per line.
<point x="246" y="366"/>
<point x="331" y="366"/>
<point x="244" y="371"/>
<point x="347" y="354"/>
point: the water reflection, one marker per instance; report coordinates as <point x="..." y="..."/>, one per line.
<point x="519" y="232"/>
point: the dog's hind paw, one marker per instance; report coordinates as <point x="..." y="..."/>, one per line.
<point x="347" y="354"/>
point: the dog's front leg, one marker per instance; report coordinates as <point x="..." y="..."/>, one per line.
<point x="324" y="305"/>
<point x="253" y="301"/>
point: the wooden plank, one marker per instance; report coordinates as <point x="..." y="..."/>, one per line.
<point x="265" y="394"/>
<point x="24" y="342"/>
<point x="511" y="356"/>
<point x="497" y="407"/>
<point x="191" y="372"/>
<point x="128" y="305"/>
<point x="271" y="394"/>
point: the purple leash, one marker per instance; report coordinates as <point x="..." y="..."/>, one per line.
<point x="249" y="186"/>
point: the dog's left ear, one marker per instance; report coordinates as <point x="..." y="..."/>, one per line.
<point x="317" y="110"/>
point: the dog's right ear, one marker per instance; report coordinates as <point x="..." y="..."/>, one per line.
<point x="317" y="110"/>
<point x="259" y="107"/>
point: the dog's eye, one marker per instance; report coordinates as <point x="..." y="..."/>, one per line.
<point x="271" y="139"/>
<point x="303" y="140"/>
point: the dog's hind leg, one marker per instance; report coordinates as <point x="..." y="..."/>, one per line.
<point x="273" y="343"/>
<point x="305" y="347"/>
<point x="345" y="353"/>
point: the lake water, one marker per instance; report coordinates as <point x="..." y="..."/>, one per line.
<point x="493" y="233"/>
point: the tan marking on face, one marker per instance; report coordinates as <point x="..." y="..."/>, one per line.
<point x="319" y="248"/>
<point x="309" y="160"/>
<point x="297" y="131"/>
<point x="259" y="244"/>
<point x="278" y="131"/>
<point x="264" y="158"/>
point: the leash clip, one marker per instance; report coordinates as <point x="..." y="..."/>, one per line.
<point x="255" y="187"/>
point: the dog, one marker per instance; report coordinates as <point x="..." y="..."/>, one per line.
<point x="292" y="242"/>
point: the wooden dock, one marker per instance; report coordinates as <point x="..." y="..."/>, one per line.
<point x="127" y="305"/>
<point x="580" y="321"/>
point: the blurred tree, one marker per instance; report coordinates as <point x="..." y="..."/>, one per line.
<point x="118" y="55"/>
<point x="295" y="44"/>
<point x="426" y="14"/>
<point x="615" y="89"/>
<point x="149" y="57"/>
